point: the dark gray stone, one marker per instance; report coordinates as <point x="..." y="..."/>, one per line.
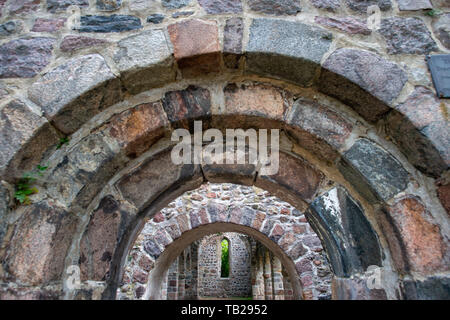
<point x="363" y="80"/>
<point x="108" y="5"/>
<point x="362" y="5"/>
<point x="433" y="288"/>
<point x="380" y="171"/>
<point x="412" y="5"/>
<point x="152" y="248"/>
<point x="276" y="7"/>
<point x="232" y="41"/>
<point x="180" y="14"/>
<point x="4" y="204"/>
<point x="407" y="35"/>
<point x="24" y="58"/>
<point x="286" y="49"/>
<point x="112" y="23"/>
<point x="348" y="237"/>
<point x="329" y="5"/>
<point x="62" y="5"/>
<point x="175" y="4"/>
<point x="156" y="18"/>
<point x="221" y="6"/>
<point x="10" y="27"/>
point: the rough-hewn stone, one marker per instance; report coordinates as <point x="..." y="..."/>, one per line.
<point x="108" y="5"/>
<point x="181" y="14"/>
<point x="62" y="5"/>
<point x="285" y="49"/>
<point x="441" y="29"/>
<point x="138" y="128"/>
<point x="184" y="105"/>
<point x="337" y="213"/>
<point x="23" y="6"/>
<point x="48" y="25"/>
<point x="422" y="133"/>
<point x="426" y="250"/>
<point x="362" y="5"/>
<point x="175" y="4"/>
<point x="196" y="46"/>
<point x="432" y="288"/>
<point x="10" y="27"/>
<point x="18" y="126"/>
<point x="407" y="35"/>
<point x="145" y="60"/>
<point x="376" y="168"/>
<point x="275" y="7"/>
<point x="26" y="57"/>
<point x="112" y="23"/>
<point x="155" y="18"/>
<point x="221" y="6"/>
<point x="365" y="81"/>
<point x="4" y="210"/>
<point x="329" y="5"/>
<point x="356" y="289"/>
<point x="347" y="24"/>
<point x="40" y="244"/>
<point x="73" y="43"/>
<point x="443" y="192"/>
<point x="75" y="91"/>
<point x="232" y="41"/>
<point x="412" y="5"/>
<point x="312" y="122"/>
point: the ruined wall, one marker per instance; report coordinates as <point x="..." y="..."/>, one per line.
<point x="211" y="284"/>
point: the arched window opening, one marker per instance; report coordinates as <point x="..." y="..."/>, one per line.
<point x="225" y="265"/>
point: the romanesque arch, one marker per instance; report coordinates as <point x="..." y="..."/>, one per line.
<point x="368" y="170"/>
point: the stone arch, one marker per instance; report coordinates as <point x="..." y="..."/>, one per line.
<point x="79" y="100"/>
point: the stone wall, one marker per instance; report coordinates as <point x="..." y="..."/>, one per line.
<point x="211" y="284"/>
<point x="304" y="244"/>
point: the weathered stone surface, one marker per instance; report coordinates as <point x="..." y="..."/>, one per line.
<point x="363" y="80"/>
<point x="10" y="27"/>
<point x="108" y="5"/>
<point x="4" y="210"/>
<point x="412" y="5"/>
<point x="347" y="24"/>
<point x="155" y="176"/>
<point x="246" y="101"/>
<point x="40" y="244"/>
<point x="221" y="6"/>
<point x="48" y="25"/>
<point x="100" y="240"/>
<point x="313" y="123"/>
<point x="152" y="248"/>
<point x="73" y="92"/>
<point x="2" y="4"/>
<point x="26" y="57"/>
<point x="138" y="128"/>
<point x="286" y="49"/>
<point x="23" y="6"/>
<point x="112" y="23"/>
<point x="30" y="293"/>
<point x="407" y="35"/>
<point x="24" y="137"/>
<point x="62" y="5"/>
<point x="143" y="5"/>
<point x="336" y="213"/>
<point x="276" y="7"/>
<point x="186" y="105"/>
<point x="356" y="289"/>
<point x="329" y="5"/>
<point x="362" y="5"/>
<point x="196" y="46"/>
<point x="426" y="250"/>
<point x="72" y="43"/>
<point x="441" y="4"/>
<point x="380" y="175"/>
<point x="432" y="288"/>
<point x="175" y="4"/>
<point x="420" y="128"/>
<point x="84" y="170"/>
<point x="145" y="60"/>
<point x="441" y="29"/>
<point x="155" y="18"/>
<point x="295" y="179"/>
<point x="443" y="191"/>
<point x="232" y="42"/>
<point x="181" y="14"/>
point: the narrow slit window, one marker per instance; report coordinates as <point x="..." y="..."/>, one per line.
<point x="225" y="265"/>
